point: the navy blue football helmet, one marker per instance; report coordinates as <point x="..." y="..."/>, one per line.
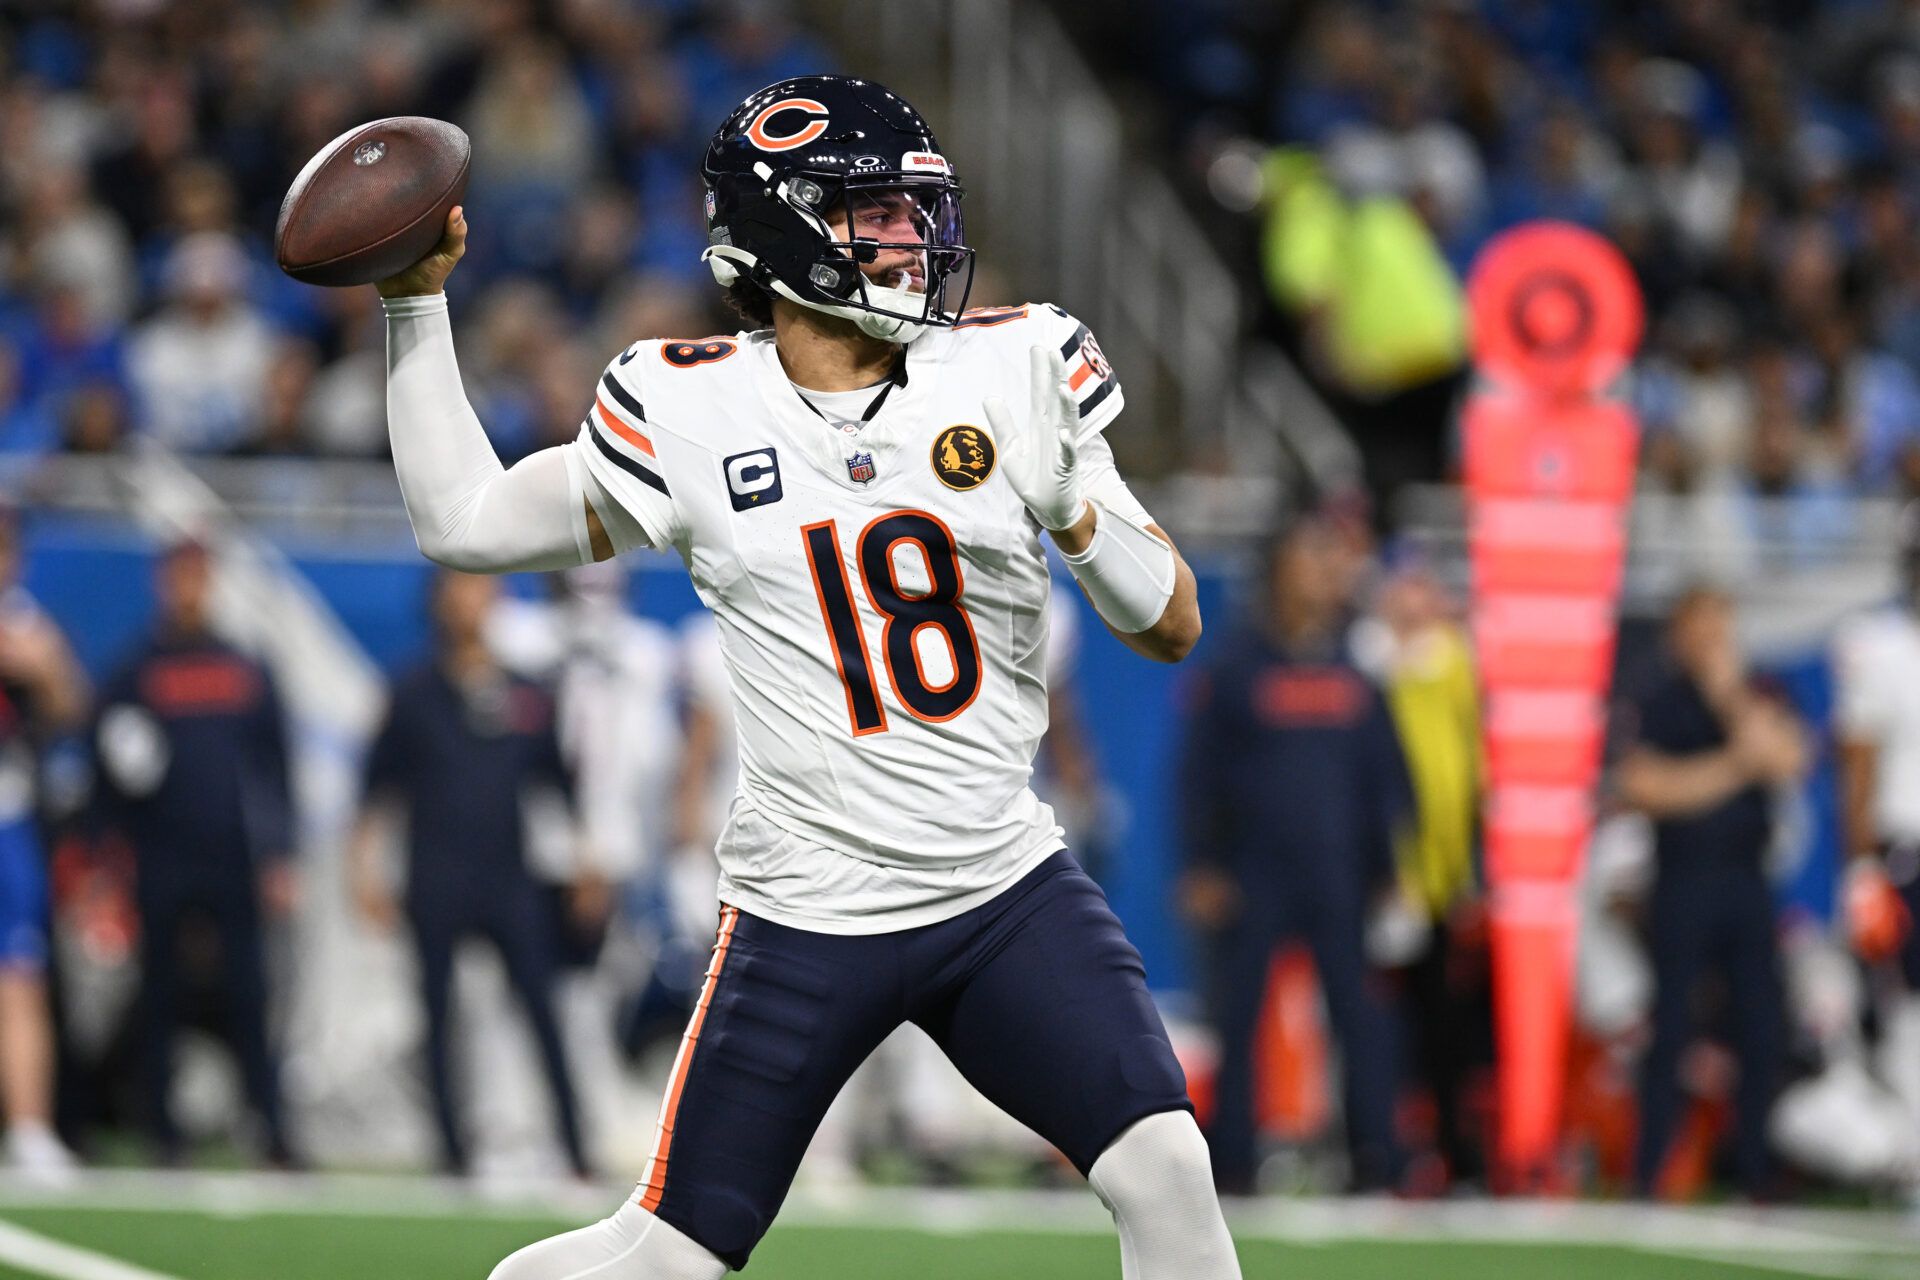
<point x="813" y="178"/>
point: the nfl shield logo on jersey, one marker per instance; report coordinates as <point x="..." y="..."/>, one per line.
<point x="860" y="467"/>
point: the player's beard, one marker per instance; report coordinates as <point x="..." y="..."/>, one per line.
<point x="907" y="276"/>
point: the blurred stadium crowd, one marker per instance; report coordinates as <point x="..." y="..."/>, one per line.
<point x="149" y="146"/>
<point x="1759" y="168"/>
<point x="1758" y="163"/>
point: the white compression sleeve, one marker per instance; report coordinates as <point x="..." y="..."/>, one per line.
<point x="630" y="1245"/>
<point x="468" y="511"/>
<point x="1128" y="573"/>
<point x="1158" y="1182"/>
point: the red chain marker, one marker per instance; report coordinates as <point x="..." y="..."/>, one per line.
<point x="1549" y="452"/>
<point x="1556" y="310"/>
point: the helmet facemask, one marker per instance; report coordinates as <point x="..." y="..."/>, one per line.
<point x="907" y="223"/>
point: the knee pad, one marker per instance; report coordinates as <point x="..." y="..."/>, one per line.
<point x="630" y="1245"/>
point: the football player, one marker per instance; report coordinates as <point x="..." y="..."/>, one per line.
<point x="858" y="483"/>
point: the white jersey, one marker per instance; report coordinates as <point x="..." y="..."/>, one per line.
<point x="1877" y="700"/>
<point x="613" y="677"/>
<point x="880" y="593"/>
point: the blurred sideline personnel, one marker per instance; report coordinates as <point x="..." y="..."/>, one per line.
<point x="1426" y="667"/>
<point x="1066" y="774"/>
<point x="1295" y="788"/>
<point x="1706" y="747"/>
<point x="43" y="695"/>
<point x="613" y="676"/>
<point x="463" y="745"/>
<point x="192" y="747"/>
<point x="872" y="555"/>
<point x="1877" y="714"/>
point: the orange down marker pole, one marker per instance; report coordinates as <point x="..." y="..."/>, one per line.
<point x="1550" y="453"/>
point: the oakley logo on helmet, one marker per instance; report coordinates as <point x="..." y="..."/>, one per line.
<point x="813" y="113"/>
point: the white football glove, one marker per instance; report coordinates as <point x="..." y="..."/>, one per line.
<point x="1040" y="460"/>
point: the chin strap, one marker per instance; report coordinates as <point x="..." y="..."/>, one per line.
<point x="730" y="265"/>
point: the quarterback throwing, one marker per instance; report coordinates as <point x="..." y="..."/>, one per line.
<point x="858" y="483"/>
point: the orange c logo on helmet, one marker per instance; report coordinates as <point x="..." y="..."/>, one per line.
<point x="816" y="124"/>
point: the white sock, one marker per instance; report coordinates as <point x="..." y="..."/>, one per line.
<point x="1158" y="1182"/>
<point x="630" y="1245"/>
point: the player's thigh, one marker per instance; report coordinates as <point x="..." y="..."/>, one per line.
<point x="1054" y="1024"/>
<point x="784" y="1017"/>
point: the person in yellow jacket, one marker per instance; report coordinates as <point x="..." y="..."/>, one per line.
<point x="1381" y="315"/>
<point x="1425" y="664"/>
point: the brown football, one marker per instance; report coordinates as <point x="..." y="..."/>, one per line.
<point x="373" y="202"/>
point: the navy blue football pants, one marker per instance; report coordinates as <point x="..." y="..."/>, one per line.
<point x="1699" y="922"/>
<point x="1036" y="996"/>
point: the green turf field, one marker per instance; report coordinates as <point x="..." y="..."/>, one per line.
<point x="290" y="1247"/>
<point x="279" y="1236"/>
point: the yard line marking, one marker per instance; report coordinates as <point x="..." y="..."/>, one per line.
<point x="31" y="1251"/>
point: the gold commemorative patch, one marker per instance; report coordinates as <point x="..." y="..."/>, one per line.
<point x="963" y="457"/>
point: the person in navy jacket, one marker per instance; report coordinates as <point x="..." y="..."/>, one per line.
<point x="191" y="741"/>
<point x="1706" y="747"/>
<point x="1293" y="784"/>
<point x="464" y="746"/>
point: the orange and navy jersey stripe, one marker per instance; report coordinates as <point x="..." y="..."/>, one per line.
<point x="985" y="317"/>
<point x="1089" y="376"/>
<point x="653" y="1181"/>
<point x="618" y="424"/>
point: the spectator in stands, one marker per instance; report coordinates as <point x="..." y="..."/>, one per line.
<point x="344" y="413"/>
<point x="191" y="741"/>
<point x="289" y="384"/>
<point x="152" y="114"/>
<point x="43" y="696"/>
<point x="25" y="427"/>
<point x="1706" y="746"/>
<point x="1698" y="438"/>
<point x="533" y="150"/>
<point x="96" y="419"/>
<point x="1870" y="404"/>
<point x="199" y="367"/>
<point x="66" y="237"/>
<point x="61" y="351"/>
<point x="1294" y="786"/>
<point x="463" y="745"/>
